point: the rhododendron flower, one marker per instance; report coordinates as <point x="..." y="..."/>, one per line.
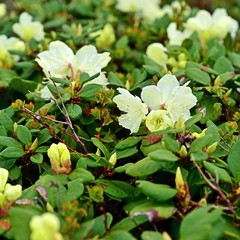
<point x="3" y="10"/>
<point x="158" y="120"/>
<point x="58" y="61"/>
<point x="219" y="24"/>
<point x="168" y="95"/>
<point x="176" y="37"/>
<point x="28" y="29"/>
<point x="147" y="9"/>
<point x="46" y="227"/>
<point x="167" y="102"/>
<point x="157" y="52"/>
<point x="135" y="110"/>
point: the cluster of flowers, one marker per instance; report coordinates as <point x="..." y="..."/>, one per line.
<point x="160" y="106"/>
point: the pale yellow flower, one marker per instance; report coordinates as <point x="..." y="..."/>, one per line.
<point x="28" y="29"/>
<point x="3" y="10"/>
<point x="157" y="52"/>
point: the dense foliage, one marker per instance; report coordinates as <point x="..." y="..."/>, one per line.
<point x="119" y="120"/>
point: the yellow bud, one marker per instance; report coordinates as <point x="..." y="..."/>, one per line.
<point x="12" y="193"/>
<point x="180" y="185"/>
<point x="15" y="125"/>
<point x="3" y="200"/>
<point x="180" y="123"/>
<point x="183" y="151"/>
<point x="3" y="179"/>
<point x="53" y="153"/>
<point x="49" y="207"/>
<point x="34" y="145"/>
<point x="127" y="85"/>
<point x="210" y="149"/>
<point x="198" y="135"/>
<point x="113" y="159"/>
<point x="203" y="202"/>
<point x="166" y="236"/>
<point x="98" y="152"/>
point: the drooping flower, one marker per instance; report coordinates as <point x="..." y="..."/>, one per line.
<point x="28" y="29"/>
<point x="176" y="37"/>
<point x="169" y="95"/>
<point x="158" y="120"/>
<point x="219" y="24"/>
<point x="46" y="227"/>
<point x="135" y="110"/>
<point x="157" y="52"/>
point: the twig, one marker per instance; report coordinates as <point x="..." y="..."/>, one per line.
<point x="216" y="188"/>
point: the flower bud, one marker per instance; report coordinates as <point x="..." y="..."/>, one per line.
<point x="180" y="123"/>
<point x="46" y="227"/>
<point x="183" y="151"/>
<point x="180" y="185"/>
<point x="34" y="145"/>
<point x="198" y="135"/>
<point x="12" y="193"/>
<point x="60" y="158"/>
<point x="3" y="200"/>
<point x="210" y="149"/>
<point x="113" y="159"/>
<point x="3" y="179"/>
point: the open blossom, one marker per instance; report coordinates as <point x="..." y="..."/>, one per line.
<point x="46" y="227"/>
<point x="147" y="9"/>
<point x="158" y="120"/>
<point x="28" y="29"/>
<point x="60" y="61"/>
<point x="157" y="52"/>
<point x="135" y="110"/>
<point x="176" y="37"/>
<point x="219" y="24"/>
<point x="170" y="96"/>
<point x="160" y="106"/>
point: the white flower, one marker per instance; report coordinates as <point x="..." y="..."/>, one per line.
<point x="177" y="7"/>
<point x="217" y="25"/>
<point x="168" y="95"/>
<point x="57" y="61"/>
<point x="176" y="37"/>
<point x="134" y="108"/>
<point x="28" y="29"/>
<point x="157" y="52"/>
<point x="158" y="120"/>
<point x="147" y="9"/>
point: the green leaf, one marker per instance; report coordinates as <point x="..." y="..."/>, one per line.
<point x="234" y="58"/>
<point x="158" y="192"/>
<point x="6" y="121"/>
<point x="151" y="235"/>
<point x="163" y="155"/>
<point x="143" y="167"/>
<point x="12" y="152"/>
<point x="20" y="217"/>
<point x="37" y="158"/>
<point x="24" y="134"/>
<point x="128" y="143"/>
<point x="114" y="80"/>
<point x="171" y="144"/>
<point x="128" y="223"/>
<point x="199" y="156"/>
<point x="88" y="92"/>
<point x="200" y="143"/>
<point x="126" y="152"/>
<point x="202" y="224"/>
<point x="198" y="75"/>
<point x="9" y="142"/>
<point x="193" y="120"/>
<point x="75" y="190"/>
<point x="223" y="65"/>
<point x="234" y="161"/>
<point x="22" y="86"/>
<point x="216" y="171"/>
<point x="74" y="111"/>
<point x="102" y="147"/>
<point x="83" y="174"/>
<point x="119" y="235"/>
